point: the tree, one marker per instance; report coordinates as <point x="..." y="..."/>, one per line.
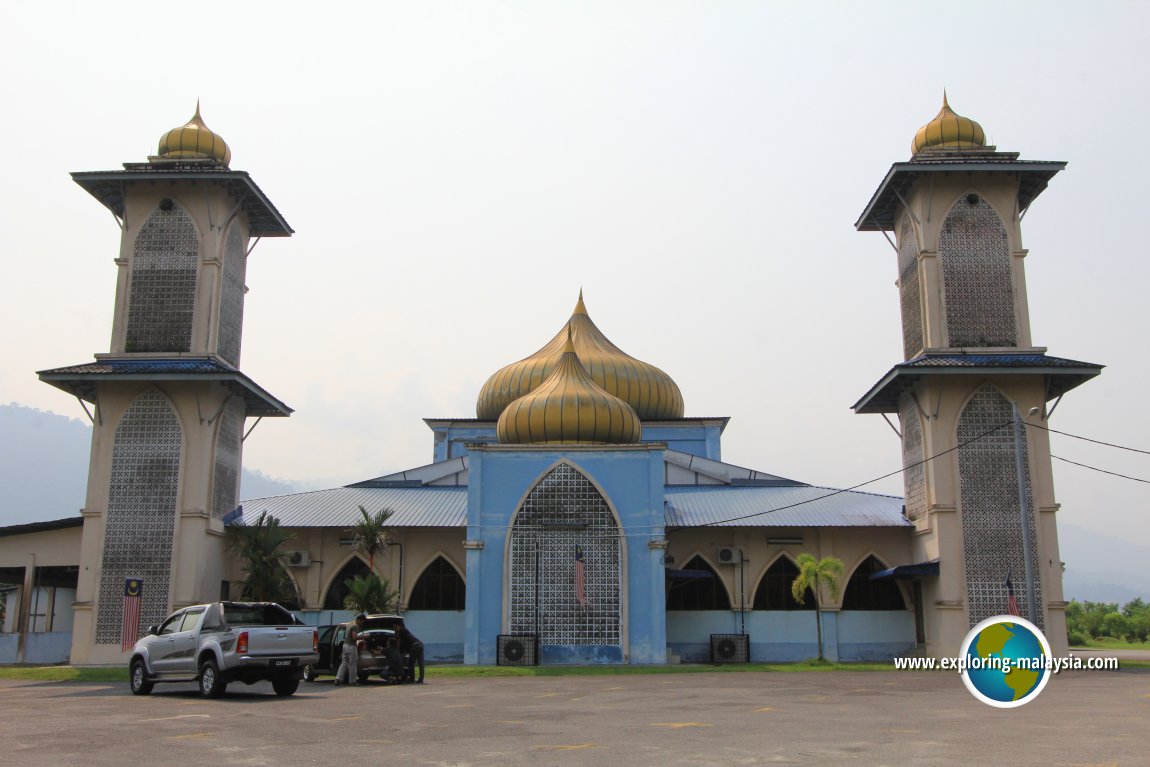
<point x="370" y="534"/>
<point x="369" y="594"/>
<point x="260" y="548"/>
<point x="816" y="574"/>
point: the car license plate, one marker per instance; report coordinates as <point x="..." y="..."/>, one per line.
<point x="285" y="663"/>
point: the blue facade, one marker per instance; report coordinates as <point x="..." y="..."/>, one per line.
<point x="630" y="480"/>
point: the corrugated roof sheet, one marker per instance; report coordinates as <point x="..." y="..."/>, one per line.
<point x="339" y="507"/>
<point x="804" y="506"/>
<point x="79" y="380"/>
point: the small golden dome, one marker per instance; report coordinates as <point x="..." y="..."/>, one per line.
<point x="650" y="392"/>
<point x="194" y="140"/>
<point x="948" y="131"/>
<point x="569" y="408"/>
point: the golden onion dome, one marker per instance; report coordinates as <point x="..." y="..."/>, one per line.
<point x="948" y="131"/>
<point x="568" y="407"/>
<point x="194" y="140"/>
<point x="650" y="392"/>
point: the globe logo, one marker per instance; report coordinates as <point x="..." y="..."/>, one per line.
<point x="1007" y="661"/>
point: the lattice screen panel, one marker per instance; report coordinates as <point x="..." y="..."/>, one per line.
<point x="910" y="291"/>
<point x="991" y="524"/>
<point x="232" y="297"/>
<point x="162" y="287"/>
<point x="975" y="256"/>
<point x="914" y="474"/>
<point x="140" y="522"/>
<point x="562" y="512"/>
<point x="226" y="478"/>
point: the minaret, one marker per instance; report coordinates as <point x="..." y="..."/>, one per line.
<point x="169" y="401"/>
<point x="956" y="210"/>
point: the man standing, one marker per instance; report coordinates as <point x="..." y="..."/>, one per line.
<point x="410" y="644"/>
<point x="348" y="672"/>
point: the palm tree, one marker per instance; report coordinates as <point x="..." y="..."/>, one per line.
<point x="369" y="594"/>
<point x="369" y="534"/>
<point x="815" y="574"/>
<point x="260" y="547"/>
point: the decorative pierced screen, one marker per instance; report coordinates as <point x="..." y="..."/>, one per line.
<point x="909" y="291"/>
<point x="564" y="512"/>
<point x="914" y="471"/>
<point x="162" y="292"/>
<point x="975" y="256"/>
<point x="232" y="297"/>
<point x="992" y="535"/>
<point x="140" y="522"/>
<point x="226" y="480"/>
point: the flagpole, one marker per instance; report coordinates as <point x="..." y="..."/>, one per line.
<point x="1024" y="509"/>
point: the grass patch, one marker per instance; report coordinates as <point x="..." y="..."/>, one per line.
<point x="64" y="674"/>
<point x="1112" y="644"/>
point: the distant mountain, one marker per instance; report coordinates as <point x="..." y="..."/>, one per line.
<point x="44" y="467"/>
<point x="1102" y="568"/>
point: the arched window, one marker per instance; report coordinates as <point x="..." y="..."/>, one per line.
<point x="162" y="283"/>
<point x="976" y="274"/>
<point x="336" y="593"/>
<point x="140" y="523"/>
<point x="565" y="537"/>
<point x="703" y="592"/>
<point x="439" y="588"/>
<point x="864" y="594"/>
<point x="988" y="483"/>
<point x="774" y="592"/>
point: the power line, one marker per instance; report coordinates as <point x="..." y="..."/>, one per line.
<point x="1087" y="439"/>
<point x="847" y="489"/>
<point x="1095" y="468"/>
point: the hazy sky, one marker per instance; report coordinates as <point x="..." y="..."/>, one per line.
<point x="456" y="172"/>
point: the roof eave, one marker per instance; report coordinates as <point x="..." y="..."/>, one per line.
<point x="83" y="386"/>
<point x="883" y="396"/>
<point x="269" y="222"/>
<point x="903" y="174"/>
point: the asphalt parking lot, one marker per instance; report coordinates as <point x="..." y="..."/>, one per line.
<point x="721" y="719"/>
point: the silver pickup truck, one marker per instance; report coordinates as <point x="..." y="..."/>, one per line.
<point x="222" y="642"/>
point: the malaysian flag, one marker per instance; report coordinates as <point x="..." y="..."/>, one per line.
<point x="580" y="577"/>
<point x="130" y="620"/>
<point x="1011" y="602"/>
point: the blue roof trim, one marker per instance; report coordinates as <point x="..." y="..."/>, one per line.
<point x="1061" y="374"/>
<point x="80" y="380"/>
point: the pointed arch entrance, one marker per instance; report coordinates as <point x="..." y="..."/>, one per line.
<point x="337" y="590"/>
<point x="565" y="516"/>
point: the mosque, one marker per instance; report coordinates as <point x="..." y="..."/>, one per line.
<point x="581" y="516"/>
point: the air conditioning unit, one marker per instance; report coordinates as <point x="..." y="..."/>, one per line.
<point x="730" y="648"/>
<point x="730" y="556"/>
<point x="296" y="559"/>
<point x="517" y="650"/>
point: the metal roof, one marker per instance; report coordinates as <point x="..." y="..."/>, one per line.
<point x="879" y="214"/>
<point x="263" y="218"/>
<point x="1062" y="375"/>
<point x="80" y="380"/>
<point x="339" y="507"/>
<point x="742" y="506"/>
<point x="41" y="527"/>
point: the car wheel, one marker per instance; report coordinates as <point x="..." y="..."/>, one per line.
<point x="309" y="674"/>
<point x="285" y="686"/>
<point x="211" y="685"/>
<point x="138" y="678"/>
<point x="363" y="676"/>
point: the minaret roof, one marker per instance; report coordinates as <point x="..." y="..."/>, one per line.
<point x="949" y="130"/>
<point x="194" y="140"/>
